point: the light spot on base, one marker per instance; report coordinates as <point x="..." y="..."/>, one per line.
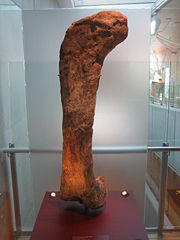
<point x="124" y="193"/>
<point x="53" y="194"/>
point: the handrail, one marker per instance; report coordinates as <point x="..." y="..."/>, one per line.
<point x="164" y="149"/>
<point x="96" y="150"/>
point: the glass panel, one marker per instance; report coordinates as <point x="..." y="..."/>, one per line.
<point x="173" y="190"/>
<point x="122" y="94"/>
<point x="152" y="189"/>
<point x="121" y="112"/>
<point x="22" y="177"/>
<point x="123" y="171"/>
<point x="164" y="110"/>
<point x="11" y="48"/>
<point x="171" y="215"/>
<point x="120" y="120"/>
<point x="6" y="224"/>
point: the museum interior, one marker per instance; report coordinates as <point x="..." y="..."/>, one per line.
<point x="49" y="104"/>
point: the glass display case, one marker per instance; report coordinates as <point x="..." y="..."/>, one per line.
<point x="136" y="139"/>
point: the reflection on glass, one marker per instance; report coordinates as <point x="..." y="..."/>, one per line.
<point x="152" y="190"/>
<point x="164" y="110"/>
<point x="173" y="194"/>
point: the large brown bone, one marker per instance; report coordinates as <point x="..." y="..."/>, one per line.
<point x="86" y="44"/>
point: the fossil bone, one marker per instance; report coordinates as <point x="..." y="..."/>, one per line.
<point x="86" y="44"/>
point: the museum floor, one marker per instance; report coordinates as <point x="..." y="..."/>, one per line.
<point x="152" y="236"/>
<point x="166" y="236"/>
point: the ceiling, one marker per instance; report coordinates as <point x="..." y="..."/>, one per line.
<point x="81" y="3"/>
<point x="6" y="2"/>
<point x="73" y="3"/>
<point x="43" y="4"/>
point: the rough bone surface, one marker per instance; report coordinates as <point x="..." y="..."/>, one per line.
<point x="86" y="44"/>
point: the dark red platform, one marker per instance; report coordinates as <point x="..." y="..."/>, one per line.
<point x="60" y="220"/>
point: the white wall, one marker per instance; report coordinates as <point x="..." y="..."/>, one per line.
<point x="122" y="100"/>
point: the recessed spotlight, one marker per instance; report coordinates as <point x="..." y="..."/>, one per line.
<point x="155" y="23"/>
<point x="124" y="193"/>
<point x="53" y="194"/>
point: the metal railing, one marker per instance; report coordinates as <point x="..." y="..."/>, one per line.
<point x="95" y="150"/>
<point x="165" y="149"/>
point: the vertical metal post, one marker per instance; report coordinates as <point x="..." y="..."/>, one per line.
<point x="15" y="190"/>
<point x="163" y="188"/>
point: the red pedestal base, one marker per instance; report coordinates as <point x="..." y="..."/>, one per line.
<point x="58" y="220"/>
